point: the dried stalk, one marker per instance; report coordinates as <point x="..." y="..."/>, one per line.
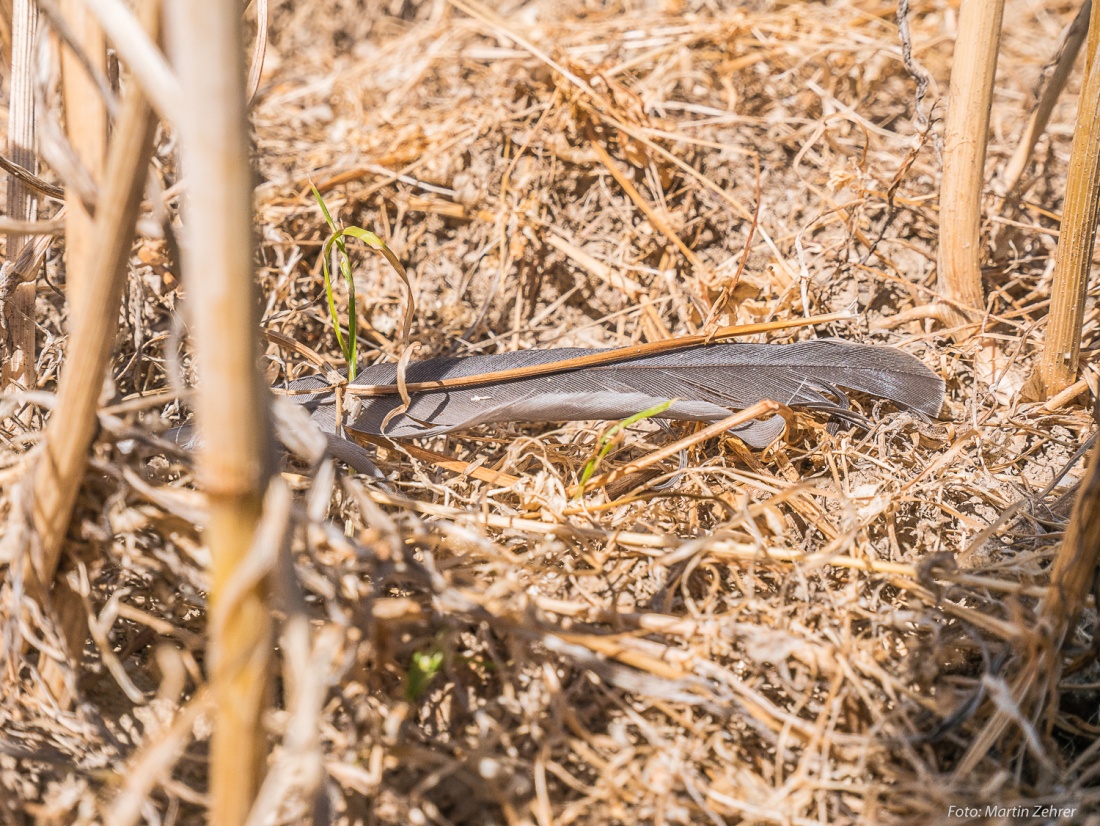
<point x="149" y="66"/>
<point x="1075" y="574"/>
<point x="1053" y="84"/>
<point x="259" y="50"/>
<point x="32" y="181"/>
<point x="1062" y="346"/>
<point x="86" y="124"/>
<point x="70" y="430"/>
<point x="966" y="131"/>
<point x="231" y="407"/>
<point x="6" y="15"/>
<point x="1075" y="566"/>
<point x="17" y="353"/>
<point x="50" y="227"/>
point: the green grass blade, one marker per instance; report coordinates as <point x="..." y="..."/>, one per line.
<point x="349" y="347"/>
<point x="608" y="439"/>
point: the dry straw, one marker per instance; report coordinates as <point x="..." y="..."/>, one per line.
<point x="86" y="124"/>
<point x="1054" y="81"/>
<point x="148" y="64"/>
<point x="1062" y="344"/>
<point x="231" y="405"/>
<point x="18" y="353"/>
<point x="846" y="627"/>
<point x="1073" y="576"/>
<point x="964" y="145"/>
<point x="59" y="471"/>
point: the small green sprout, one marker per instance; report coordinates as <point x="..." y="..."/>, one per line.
<point x="349" y="346"/>
<point x="423" y="667"/>
<point x="607" y="441"/>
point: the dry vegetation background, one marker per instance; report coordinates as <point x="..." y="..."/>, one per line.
<point x="817" y="633"/>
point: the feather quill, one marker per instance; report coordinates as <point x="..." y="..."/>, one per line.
<point x="704" y="383"/>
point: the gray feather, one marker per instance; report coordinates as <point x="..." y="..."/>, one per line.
<point x="707" y="383"/>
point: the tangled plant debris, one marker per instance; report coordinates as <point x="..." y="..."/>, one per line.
<point x="816" y="632"/>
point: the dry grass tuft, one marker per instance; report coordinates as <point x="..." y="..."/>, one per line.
<point x="823" y="632"/>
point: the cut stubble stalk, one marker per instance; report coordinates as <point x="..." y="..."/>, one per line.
<point x="1062" y="345"/>
<point x="965" y="136"/>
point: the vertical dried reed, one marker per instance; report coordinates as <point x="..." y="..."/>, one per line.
<point x="232" y="400"/>
<point x="966" y="131"/>
<point x="71" y="428"/>
<point x="1054" y="82"/>
<point x="147" y="62"/>
<point x="17" y="363"/>
<point x="1062" y="345"/>
<point x="6" y="14"/>
<point x="86" y="124"/>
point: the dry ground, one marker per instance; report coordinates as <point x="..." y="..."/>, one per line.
<point x="816" y="633"/>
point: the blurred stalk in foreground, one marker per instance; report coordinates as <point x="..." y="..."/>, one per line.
<point x="86" y="127"/>
<point x="94" y="313"/>
<point x="231" y="407"/>
<point x="17" y="359"/>
<point x="965" y="136"/>
<point x="1062" y="344"/>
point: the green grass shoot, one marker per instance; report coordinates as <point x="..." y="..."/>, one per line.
<point x="611" y="436"/>
<point x="423" y="667"/>
<point x="348" y="346"/>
